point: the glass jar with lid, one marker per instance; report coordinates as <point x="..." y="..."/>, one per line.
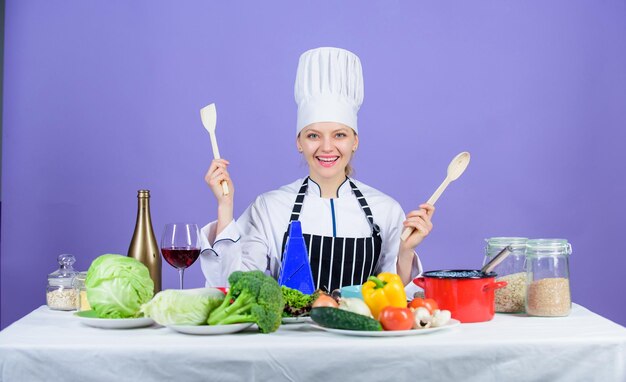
<point x="81" y="290"/>
<point x="547" y="277"/>
<point x="60" y="294"/>
<point x="512" y="298"/>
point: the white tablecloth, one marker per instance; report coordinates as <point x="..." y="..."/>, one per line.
<point x="54" y="346"/>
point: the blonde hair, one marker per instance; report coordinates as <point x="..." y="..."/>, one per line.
<point x="349" y="170"/>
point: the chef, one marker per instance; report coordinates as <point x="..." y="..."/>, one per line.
<point x="351" y="230"/>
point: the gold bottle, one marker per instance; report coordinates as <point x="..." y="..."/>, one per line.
<point x="143" y="246"/>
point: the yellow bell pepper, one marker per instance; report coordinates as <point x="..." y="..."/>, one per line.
<point x="385" y="290"/>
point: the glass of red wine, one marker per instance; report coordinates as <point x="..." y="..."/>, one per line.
<point x="180" y="246"/>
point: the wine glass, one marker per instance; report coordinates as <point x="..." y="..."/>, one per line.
<point x="180" y="246"/>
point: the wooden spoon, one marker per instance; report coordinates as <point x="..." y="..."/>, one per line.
<point x="209" y="120"/>
<point x="455" y="169"/>
<point x="496" y="260"/>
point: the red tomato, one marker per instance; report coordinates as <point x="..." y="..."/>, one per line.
<point x="427" y="303"/>
<point x="393" y="318"/>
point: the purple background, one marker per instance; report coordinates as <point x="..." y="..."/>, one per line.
<point x="102" y="98"/>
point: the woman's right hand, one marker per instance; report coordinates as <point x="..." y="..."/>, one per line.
<point x="218" y="173"/>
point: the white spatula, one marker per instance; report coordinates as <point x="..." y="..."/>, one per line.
<point x="209" y="120"/>
<point x="455" y="169"/>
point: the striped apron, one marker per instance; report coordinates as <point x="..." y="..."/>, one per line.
<point x="339" y="261"/>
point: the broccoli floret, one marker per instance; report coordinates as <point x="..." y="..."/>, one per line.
<point x="255" y="298"/>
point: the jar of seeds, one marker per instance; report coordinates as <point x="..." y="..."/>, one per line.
<point x="79" y="286"/>
<point x="547" y="277"/>
<point x="511" y="298"/>
<point x="60" y="294"/>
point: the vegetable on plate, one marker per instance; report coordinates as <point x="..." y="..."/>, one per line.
<point x="253" y="297"/>
<point x="355" y="305"/>
<point x="394" y="318"/>
<point x="440" y="318"/>
<point x="422" y="318"/>
<point x="117" y="286"/>
<point x="324" y="300"/>
<point x="183" y="307"/>
<point x="425" y="319"/>
<point x="335" y="318"/>
<point x="385" y="290"/>
<point x="427" y="303"/>
<point x="297" y="304"/>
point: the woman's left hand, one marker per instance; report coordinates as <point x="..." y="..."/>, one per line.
<point x="420" y="221"/>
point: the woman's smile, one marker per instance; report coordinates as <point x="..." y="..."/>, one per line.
<point x="327" y="160"/>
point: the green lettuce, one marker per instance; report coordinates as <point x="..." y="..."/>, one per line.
<point x="117" y="286"/>
<point x="183" y="307"/>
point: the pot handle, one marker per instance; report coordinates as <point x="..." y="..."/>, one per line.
<point x="497" y="285"/>
<point x="419" y="281"/>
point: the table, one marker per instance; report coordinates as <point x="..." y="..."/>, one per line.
<point x="54" y="346"/>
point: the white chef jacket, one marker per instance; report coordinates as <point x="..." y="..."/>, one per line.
<point x="254" y="241"/>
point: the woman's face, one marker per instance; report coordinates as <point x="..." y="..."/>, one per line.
<point x="327" y="148"/>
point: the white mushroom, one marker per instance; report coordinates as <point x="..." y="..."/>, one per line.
<point x="440" y="318"/>
<point x="422" y="318"/>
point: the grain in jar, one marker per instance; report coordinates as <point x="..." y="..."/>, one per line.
<point x="81" y="290"/>
<point x="512" y="297"/>
<point x="547" y="278"/>
<point x="60" y="294"/>
<point x="62" y="299"/>
<point x="549" y="297"/>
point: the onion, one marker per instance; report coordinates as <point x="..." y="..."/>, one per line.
<point x="355" y="305"/>
<point x="324" y="300"/>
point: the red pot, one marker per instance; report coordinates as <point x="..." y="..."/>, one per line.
<point x="467" y="294"/>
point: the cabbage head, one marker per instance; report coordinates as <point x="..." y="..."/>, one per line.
<point x="117" y="286"/>
<point x="183" y="307"/>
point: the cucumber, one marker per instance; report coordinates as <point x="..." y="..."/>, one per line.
<point x="335" y="318"/>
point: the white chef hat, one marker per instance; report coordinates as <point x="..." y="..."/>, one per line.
<point x="329" y="87"/>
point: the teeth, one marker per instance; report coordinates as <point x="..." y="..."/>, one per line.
<point x="328" y="159"/>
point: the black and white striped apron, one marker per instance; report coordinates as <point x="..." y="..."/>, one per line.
<point x="339" y="261"/>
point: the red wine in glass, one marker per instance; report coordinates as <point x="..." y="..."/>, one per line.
<point x="180" y="257"/>
<point x="180" y="246"/>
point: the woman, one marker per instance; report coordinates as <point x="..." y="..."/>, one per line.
<point x="351" y="230"/>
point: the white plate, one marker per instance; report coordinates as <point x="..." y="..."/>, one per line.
<point x="89" y="318"/>
<point x="209" y="329"/>
<point x="296" y="320"/>
<point x="390" y="333"/>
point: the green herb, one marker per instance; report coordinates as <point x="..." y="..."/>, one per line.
<point x="297" y="304"/>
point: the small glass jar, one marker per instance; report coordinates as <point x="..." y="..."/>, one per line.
<point x="547" y="278"/>
<point x="81" y="290"/>
<point x="60" y="294"/>
<point x="511" y="298"/>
